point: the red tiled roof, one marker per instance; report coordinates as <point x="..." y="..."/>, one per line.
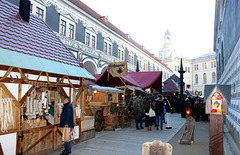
<point x="34" y="38"/>
<point x="95" y="15"/>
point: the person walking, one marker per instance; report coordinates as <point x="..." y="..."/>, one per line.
<point x="148" y="121"/>
<point x="159" y="111"/>
<point x="139" y="111"/>
<point x="168" y="112"/>
<point x="66" y="119"/>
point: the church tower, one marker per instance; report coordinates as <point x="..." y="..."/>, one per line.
<point x="167" y="39"/>
<point x="167" y="53"/>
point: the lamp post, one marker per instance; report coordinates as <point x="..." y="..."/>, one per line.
<point x="181" y="71"/>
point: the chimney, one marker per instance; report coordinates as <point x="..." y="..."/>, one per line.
<point x="24" y="10"/>
<point x="128" y="36"/>
<point x="104" y="18"/>
<point x="142" y="47"/>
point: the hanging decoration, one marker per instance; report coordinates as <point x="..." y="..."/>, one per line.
<point x="6" y="113"/>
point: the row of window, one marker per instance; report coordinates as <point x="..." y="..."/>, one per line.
<point x="187" y="69"/>
<point x="204" y="65"/>
<point x="205" y="78"/>
<point x="67" y="28"/>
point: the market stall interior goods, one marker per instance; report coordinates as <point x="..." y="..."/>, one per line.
<point x="36" y="72"/>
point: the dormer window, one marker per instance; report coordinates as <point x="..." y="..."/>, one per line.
<point x="38" y="9"/>
<point x="63" y="27"/>
<point x="40" y="12"/>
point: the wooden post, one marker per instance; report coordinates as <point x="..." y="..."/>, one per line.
<point x="216" y="134"/>
<point x="1" y="150"/>
<point x="19" y="91"/>
<point x="217" y="99"/>
<point x="74" y="105"/>
<point x="70" y="92"/>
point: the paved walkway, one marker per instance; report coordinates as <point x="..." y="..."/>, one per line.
<point x="201" y="141"/>
<point x="126" y="141"/>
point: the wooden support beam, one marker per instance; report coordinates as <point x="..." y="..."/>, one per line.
<point x="70" y="83"/>
<point x="74" y="105"/>
<point x="9" y="131"/>
<point x="1" y="150"/>
<point x="6" y="74"/>
<point x="40" y="128"/>
<point x="26" y="95"/>
<point x="33" y="72"/>
<point x="62" y="91"/>
<point x="10" y="95"/>
<point x="59" y="132"/>
<point x="38" y="141"/>
<point x="70" y="92"/>
<point x="54" y="142"/>
<point x="19" y="91"/>
<point x="39" y="83"/>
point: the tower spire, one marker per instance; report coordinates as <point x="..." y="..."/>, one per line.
<point x="181" y="71"/>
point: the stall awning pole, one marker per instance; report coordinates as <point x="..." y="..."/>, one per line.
<point x="124" y="89"/>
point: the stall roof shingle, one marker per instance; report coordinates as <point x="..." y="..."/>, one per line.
<point x="34" y="38"/>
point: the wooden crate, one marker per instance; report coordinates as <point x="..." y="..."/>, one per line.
<point x="110" y="122"/>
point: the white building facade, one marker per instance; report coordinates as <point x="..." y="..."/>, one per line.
<point x="198" y="72"/>
<point x="204" y="72"/>
<point x="92" y="38"/>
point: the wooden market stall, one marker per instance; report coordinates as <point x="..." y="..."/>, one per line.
<point x="133" y="82"/>
<point x="99" y="104"/>
<point x="36" y="72"/>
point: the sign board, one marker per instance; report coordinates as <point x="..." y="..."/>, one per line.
<point x="118" y="69"/>
<point x="217" y="98"/>
<point x="216" y="103"/>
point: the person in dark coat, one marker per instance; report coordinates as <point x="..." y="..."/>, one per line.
<point x="159" y="110"/>
<point x="182" y="108"/>
<point x="147" y="102"/>
<point x="67" y="120"/>
<point x="139" y="111"/>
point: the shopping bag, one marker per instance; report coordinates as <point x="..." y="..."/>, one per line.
<point x="66" y="134"/>
<point x="152" y="113"/>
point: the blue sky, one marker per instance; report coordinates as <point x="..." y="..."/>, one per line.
<point x="190" y="22"/>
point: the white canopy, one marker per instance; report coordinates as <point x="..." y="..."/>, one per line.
<point x="107" y="89"/>
<point x="132" y="88"/>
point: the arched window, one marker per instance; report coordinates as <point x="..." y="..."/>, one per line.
<point x="204" y="78"/>
<point x="196" y="78"/>
<point x="213" y="77"/>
